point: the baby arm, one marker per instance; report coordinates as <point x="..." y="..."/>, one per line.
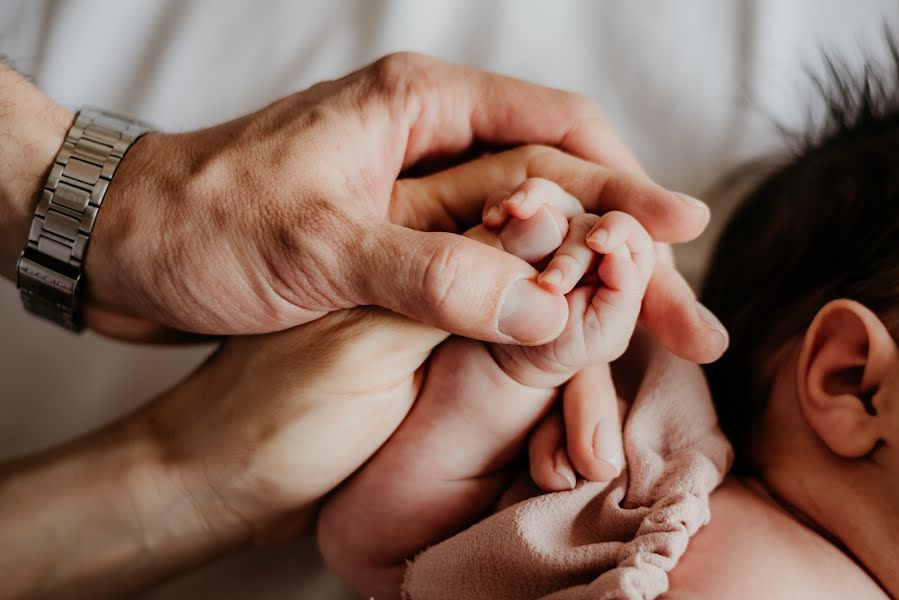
<point x="449" y="461"/>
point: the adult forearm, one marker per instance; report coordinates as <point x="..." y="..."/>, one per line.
<point x="32" y="129"/>
<point x="100" y="517"/>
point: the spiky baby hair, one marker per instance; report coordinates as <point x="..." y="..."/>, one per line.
<point x="822" y="225"/>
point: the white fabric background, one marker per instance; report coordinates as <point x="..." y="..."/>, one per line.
<point x="689" y="84"/>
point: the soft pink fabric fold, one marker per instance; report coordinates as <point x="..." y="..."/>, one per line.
<point x="612" y="540"/>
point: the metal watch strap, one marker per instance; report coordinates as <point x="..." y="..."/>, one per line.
<point x="50" y="269"/>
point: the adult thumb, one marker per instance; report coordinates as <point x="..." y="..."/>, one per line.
<point x="459" y="285"/>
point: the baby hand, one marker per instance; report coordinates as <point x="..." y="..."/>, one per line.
<point x="582" y="432"/>
<point x="453" y="454"/>
<point x="603" y="264"/>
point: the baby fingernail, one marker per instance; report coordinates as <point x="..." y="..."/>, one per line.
<point x="493" y="214"/>
<point x="529" y="314"/>
<point x="564" y="468"/>
<point x="712" y="321"/>
<point x="694" y="202"/>
<point x="599" y="237"/>
<point x="607" y="445"/>
<point x="552" y="277"/>
<point x="516" y="199"/>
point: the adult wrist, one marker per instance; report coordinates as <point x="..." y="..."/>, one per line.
<point x="182" y="522"/>
<point x="50" y="274"/>
<point x="100" y="517"/>
<point x="33" y="129"/>
<point x="207" y="521"/>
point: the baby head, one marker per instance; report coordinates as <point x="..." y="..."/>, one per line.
<point x="806" y="279"/>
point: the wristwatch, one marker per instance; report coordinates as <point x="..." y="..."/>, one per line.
<point x="50" y="271"/>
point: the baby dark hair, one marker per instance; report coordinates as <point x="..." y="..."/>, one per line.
<point x="823" y="225"/>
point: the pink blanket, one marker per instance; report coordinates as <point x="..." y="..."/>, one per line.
<point x="600" y="540"/>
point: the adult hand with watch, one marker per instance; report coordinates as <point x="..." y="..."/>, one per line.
<point x="271" y="221"/>
<point x="279" y="217"/>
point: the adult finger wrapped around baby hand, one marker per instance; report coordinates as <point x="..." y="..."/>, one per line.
<point x="603" y="263"/>
<point x="452" y="456"/>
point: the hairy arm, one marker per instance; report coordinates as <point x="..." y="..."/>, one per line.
<point x="102" y="517"/>
<point x="32" y="129"/>
<point x="241" y="452"/>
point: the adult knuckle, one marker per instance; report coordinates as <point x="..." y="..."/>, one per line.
<point x="394" y="73"/>
<point x="403" y="59"/>
<point x="302" y="270"/>
<point x="278" y="267"/>
<point x="443" y="278"/>
<point x="403" y="82"/>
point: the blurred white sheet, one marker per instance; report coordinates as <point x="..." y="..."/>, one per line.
<point x="688" y="84"/>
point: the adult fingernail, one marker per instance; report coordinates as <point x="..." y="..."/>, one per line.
<point x="714" y="324"/>
<point x="530" y="314"/>
<point x="564" y="468"/>
<point x="607" y="446"/>
<point x="693" y="202"/>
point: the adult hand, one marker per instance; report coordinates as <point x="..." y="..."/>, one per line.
<point x="238" y="453"/>
<point x="287" y="214"/>
<point x="255" y="437"/>
<point x="274" y="422"/>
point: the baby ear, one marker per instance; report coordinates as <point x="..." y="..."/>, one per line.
<point x="845" y="359"/>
